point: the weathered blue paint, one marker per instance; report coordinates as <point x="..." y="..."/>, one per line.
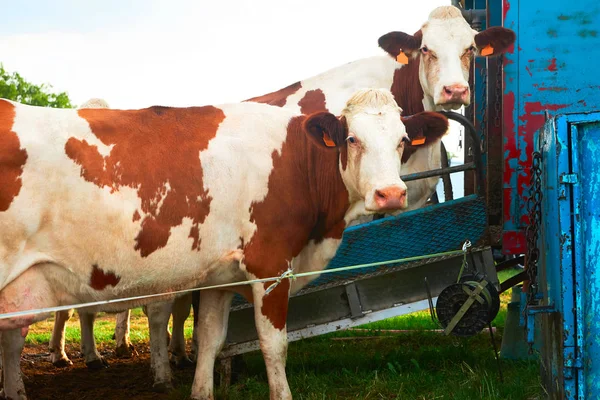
<point x="570" y="247"/>
<point x="552" y="68"/>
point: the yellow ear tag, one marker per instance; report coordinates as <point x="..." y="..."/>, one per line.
<point x="402" y="58"/>
<point x="327" y="140"/>
<point x="418" y="142"/>
<point x="487" y="50"/>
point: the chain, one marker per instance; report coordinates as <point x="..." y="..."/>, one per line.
<point x="498" y="90"/>
<point x="483" y="110"/>
<point x="534" y="208"/>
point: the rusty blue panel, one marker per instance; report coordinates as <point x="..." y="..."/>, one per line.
<point x="585" y="150"/>
<point x="570" y="247"/>
<point x="550" y="68"/>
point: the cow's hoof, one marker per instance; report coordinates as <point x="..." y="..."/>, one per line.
<point x="162" y="387"/>
<point x="125" y="351"/>
<point x="97" y="365"/>
<point x="62" y="363"/>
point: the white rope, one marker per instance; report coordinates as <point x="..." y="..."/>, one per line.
<point x="288" y="274"/>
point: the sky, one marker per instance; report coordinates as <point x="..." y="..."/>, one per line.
<point x="136" y="53"/>
<point x="139" y="53"/>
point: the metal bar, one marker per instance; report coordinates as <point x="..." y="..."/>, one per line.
<point x="512" y="281"/>
<point x="513" y="262"/>
<point x="354" y="300"/>
<point x="438" y="172"/>
<point x="476" y="148"/>
<point x="332" y="326"/>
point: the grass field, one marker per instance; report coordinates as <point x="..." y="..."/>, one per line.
<point x="362" y="364"/>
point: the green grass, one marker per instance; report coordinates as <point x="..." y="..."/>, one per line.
<point x="414" y="366"/>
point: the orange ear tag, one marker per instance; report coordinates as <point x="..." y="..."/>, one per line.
<point x="327" y="140"/>
<point x="418" y="142"/>
<point x="487" y="50"/>
<point x="402" y="58"/>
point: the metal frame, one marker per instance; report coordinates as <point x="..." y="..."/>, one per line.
<point x="374" y="295"/>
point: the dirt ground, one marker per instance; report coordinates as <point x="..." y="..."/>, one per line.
<point x="123" y="379"/>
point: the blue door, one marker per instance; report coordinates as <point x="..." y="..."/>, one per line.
<point x="569" y="274"/>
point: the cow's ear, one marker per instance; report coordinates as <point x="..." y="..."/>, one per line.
<point x="425" y="128"/>
<point x="325" y="129"/>
<point x="399" y="42"/>
<point x="494" y="41"/>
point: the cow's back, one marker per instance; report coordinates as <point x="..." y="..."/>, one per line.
<point x="121" y="197"/>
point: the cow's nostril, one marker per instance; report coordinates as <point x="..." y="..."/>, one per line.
<point x="380" y="194"/>
<point x="447" y="90"/>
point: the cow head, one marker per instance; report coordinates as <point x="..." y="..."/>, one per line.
<point x="446" y="45"/>
<point x="371" y="138"/>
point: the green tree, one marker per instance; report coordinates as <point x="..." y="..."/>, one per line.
<point x="14" y="87"/>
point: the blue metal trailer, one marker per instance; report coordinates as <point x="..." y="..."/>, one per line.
<point x="551" y="134"/>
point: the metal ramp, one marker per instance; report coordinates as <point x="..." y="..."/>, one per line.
<point x="344" y="299"/>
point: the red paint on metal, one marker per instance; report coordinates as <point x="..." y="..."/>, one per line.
<point x="513" y="242"/>
<point x="553" y="89"/>
<point x="528" y="71"/>
<point x="552" y="65"/>
<point x="505" y="8"/>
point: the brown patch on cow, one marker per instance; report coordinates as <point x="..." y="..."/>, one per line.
<point x="407" y="89"/>
<point x="278" y="98"/>
<point x="156" y="152"/>
<point x="275" y="304"/>
<point x="12" y="157"/>
<point x="306" y="200"/>
<point x="100" y="279"/>
<point x="195" y="235"/>
<point x="465" y="61"/>
<point x="430" y="125"/>
<point x="313" y="101"/>
<point x="136" y="216"/>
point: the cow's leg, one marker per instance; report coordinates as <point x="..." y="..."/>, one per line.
<point x="58" y="357"/>
<point x="213" y="316"/>
<point x="181" y="310"/>
<point x="12" y="345"/>
<point x="158" y="320"/>
<point x="92" y="358"/>
<point x="195" y="305"/>
<point x="124" y="347"/>
<point x="270" y="314"/>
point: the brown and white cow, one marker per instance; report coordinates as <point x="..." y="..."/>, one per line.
<point x="98" y="204"/>
<point x="93" y="359"/>
<point x="435" y="78"/>
<point x="158" y="314"/>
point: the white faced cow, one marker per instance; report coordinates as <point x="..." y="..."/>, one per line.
<point x="435" y="78"/>
<point x="98" y="204"/>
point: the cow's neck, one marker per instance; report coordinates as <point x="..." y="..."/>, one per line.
<point x="328" y="194"/>
<point x="407" y="89"/>
<point x="306" y="200"/>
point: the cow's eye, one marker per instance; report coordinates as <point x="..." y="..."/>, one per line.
<point x="472" y="48"/>
<point x="405" y="140"/>
<point x="352" y="140"/>
<point x="424" y="50"/>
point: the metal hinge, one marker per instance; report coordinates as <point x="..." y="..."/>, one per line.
<point x="572" y="362"/>
<point x="569" y="178"/>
